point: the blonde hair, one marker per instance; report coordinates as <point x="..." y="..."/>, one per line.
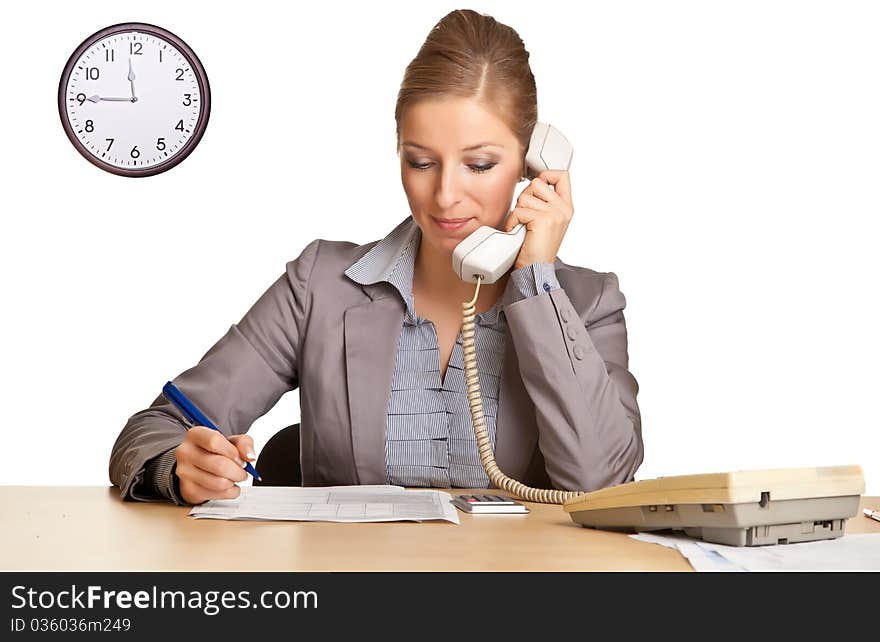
<point x="471" y="55"/>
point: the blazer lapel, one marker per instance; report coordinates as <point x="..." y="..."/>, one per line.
<point x="372" y="332"/>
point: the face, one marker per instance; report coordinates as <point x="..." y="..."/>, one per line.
<point x="457" y="161"/>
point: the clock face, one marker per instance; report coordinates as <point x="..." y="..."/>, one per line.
<point x="134" y="99"/>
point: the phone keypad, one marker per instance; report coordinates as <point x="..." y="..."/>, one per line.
<point x="486" y="499"/>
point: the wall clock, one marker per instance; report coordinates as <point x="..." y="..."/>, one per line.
<point x="134" y="99"/>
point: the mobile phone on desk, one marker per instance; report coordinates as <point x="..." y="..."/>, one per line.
<point x="489" y="505"/>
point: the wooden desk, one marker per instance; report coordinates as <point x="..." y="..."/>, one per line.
<point x="81" y="528"/>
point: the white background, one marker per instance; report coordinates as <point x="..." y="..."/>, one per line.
<point x="725" y="168"/>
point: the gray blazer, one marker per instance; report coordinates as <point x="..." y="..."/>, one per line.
<point x="567" y="415"/>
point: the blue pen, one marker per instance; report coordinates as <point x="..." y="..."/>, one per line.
<point x="195" y="416"/>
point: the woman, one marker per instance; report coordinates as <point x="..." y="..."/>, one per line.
<point x="370" y="333"/>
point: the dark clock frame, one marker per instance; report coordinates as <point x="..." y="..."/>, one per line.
<point x="201" y="79"/>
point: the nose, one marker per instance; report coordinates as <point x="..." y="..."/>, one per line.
<point x="449" y="189"/>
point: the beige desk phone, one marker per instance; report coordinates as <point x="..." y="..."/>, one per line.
<point x="740" y="508"/>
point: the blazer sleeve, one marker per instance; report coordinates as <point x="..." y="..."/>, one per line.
<point x="576" y="373"/>
<point x="237" y="381"/>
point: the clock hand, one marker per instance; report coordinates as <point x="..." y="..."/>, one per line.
<point x="95" y="98"/>
<point x="131" y="80"/>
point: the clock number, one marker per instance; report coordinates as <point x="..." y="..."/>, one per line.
<point x="92" y="73"/>
<point x="187" y="101"/>
<point x="90" y="126"/>
<point x="109" y="55"/>
<point x="160" y="144"/>
<point x="160" y="55"/>
<point x="178" y="126"/>
<point x="134" y="152"/>
<point x="179" y="74"/>
<point x="111" y="143"/>
<point x="134" y="48"/>
<point x="81" y="98"/>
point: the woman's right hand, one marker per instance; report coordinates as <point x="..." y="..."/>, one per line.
<point x="209" y="464"/>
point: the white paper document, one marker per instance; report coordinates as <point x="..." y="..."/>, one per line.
<point x="856" y="552"/>
<point x="376" y="503"/>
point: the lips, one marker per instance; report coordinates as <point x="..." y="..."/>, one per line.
<point x="450" y="224"/>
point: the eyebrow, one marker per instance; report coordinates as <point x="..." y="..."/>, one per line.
<point x="466" y="149"/>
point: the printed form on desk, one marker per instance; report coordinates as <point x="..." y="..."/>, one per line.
<point x="854" y="552"/>
<point x="369" y="503"/>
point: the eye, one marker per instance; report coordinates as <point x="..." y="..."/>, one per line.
<point x="476" y="169"/>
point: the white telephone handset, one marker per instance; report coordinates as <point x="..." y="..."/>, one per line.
<point x="483" y="257"/>
<point x="488" y="253"/>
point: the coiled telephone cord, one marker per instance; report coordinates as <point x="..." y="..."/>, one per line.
<point x="484" y="444"/>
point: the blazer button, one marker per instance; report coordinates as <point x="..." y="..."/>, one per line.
<point x="579" y="352"/>
<point x="572" y="332"/>
<point x="565" y="313"/>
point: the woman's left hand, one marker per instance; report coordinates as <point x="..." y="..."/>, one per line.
<point x="546" y="214"/>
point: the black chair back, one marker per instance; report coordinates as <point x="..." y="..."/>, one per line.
<point x="278" y="463"/>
